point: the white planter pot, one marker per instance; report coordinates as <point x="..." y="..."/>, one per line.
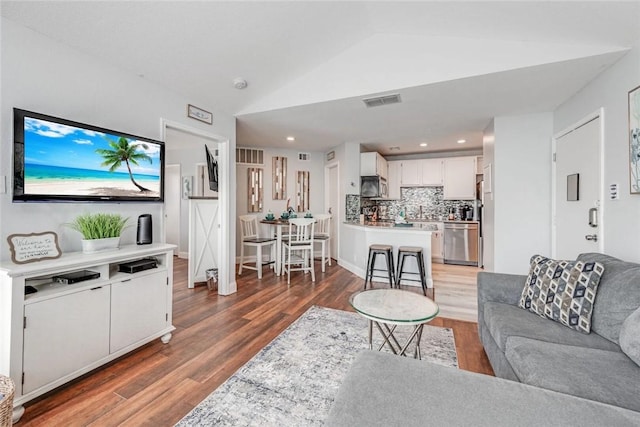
<point x="99" y="245"/>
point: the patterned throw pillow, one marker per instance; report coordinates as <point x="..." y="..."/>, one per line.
<point x="563" y="291"/>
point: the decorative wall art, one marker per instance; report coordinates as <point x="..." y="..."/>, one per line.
<point x="573" y="187"/>
<point x="302" y="191"/>
<point x="187" y="186"/>
<point x="256" y="190"/>
<point x="634" y="140"/>
<point x="199" y="114"/>
<point x="279" y="178"/>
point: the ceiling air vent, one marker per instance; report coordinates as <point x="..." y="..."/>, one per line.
<point x="249" y="156"/>
<point x="305" y="157"/>
<point x="382" y="100"/>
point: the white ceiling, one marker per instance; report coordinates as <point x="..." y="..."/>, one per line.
<point x="309" y="64"/>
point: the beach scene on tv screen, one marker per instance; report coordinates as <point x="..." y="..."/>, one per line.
<point x="64" y="160"/>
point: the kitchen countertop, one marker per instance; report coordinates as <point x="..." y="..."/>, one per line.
<point x="456" y="221"/>
<point x="417" y="226"/>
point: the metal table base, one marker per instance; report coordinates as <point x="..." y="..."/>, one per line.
<point x="392" y="341"/>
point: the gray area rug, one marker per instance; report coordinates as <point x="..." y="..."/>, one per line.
<point x="294" y="379"/>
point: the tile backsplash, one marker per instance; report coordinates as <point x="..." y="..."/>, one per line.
<point x="434" y="207"/>
<point x="352" y="212"/>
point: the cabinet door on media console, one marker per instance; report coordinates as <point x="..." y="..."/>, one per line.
<point x="138" y="309"/>
<point x="64" y="334"/>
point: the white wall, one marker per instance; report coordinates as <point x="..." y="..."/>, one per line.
<point x="610" y="91"/>
<point x="41" y="75"/>
<point x="348" y="156"/>
<point x="521" y="205"/>
<point x="315" y="166"/>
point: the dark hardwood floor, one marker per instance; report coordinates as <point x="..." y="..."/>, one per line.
<point x="158" y="384"/>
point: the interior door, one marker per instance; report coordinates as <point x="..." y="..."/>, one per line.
<point x="578" y="188"/>
<point x="332" y="196"/>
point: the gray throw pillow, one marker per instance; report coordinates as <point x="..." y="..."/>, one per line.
<point x="630" y="336"/>
<point x="618" y="294"/>
<point x="562" y="291"/>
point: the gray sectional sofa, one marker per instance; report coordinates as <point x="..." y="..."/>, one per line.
<point x="525" y="347"/>
<point x="550" y="374"/>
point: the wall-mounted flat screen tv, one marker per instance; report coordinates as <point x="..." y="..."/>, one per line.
<point x="58" y="160"/>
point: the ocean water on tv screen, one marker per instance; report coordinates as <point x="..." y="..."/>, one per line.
<point x="39" y="172"/>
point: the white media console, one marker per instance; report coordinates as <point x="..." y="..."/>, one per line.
<point x="62" y="331"/>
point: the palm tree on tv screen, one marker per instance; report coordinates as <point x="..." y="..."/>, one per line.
<point x="123" y="151"/>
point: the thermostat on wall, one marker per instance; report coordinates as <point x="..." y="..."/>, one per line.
<point x="613" y="192"/>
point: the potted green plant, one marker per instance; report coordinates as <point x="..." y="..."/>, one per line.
<point x="100" y="231"/>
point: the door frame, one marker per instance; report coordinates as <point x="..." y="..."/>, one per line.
<point x="176" y="251"/>
<point x="327" y="196"/>
<point x="598" y="114"/>
<point x="226" y="268"/>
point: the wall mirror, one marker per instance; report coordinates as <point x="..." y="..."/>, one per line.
<point x="302" y="191"/>
<point x="279" y="178"/>
<point x="256" y="190"/>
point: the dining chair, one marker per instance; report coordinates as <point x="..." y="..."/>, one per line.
<point x="297" y="248"/>
<point x="250" y="237"/>
<point x="322" y="236"/>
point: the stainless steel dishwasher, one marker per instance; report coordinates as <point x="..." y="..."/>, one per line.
<point x="461" y="243"/>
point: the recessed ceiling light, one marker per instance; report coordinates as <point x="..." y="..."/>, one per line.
<point x="462" y="141"/>
<point x="394" y="148"/>
<point x="290" y="138"/>
<point x="423" y="144"/>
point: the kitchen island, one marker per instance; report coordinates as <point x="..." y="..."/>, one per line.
<point x="356" y="247"/>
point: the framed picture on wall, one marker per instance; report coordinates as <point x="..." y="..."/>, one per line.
<point x="573" y="187"/>
<point x="199" y="114"/>
<point x="634" y="140"/>
<point x="187" y="186"/>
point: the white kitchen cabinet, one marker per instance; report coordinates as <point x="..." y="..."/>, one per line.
<point x="422" y="173"/>
<point x="479" y="165"/>
<point x="382" y="167"/>
<point x="138" y="309"/>
<point x="431" y="172"/>
<point x="62" y="331"/>
<point x="459" y="178"/>
<point x="410" y="173"/>
<point x="64" y="334"/>
<point x="395" y="168"/>
<point x="372" y="164"/>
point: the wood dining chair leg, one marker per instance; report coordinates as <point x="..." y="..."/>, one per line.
<point x="259" y="261"/>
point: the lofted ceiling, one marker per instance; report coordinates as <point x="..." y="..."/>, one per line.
<point x="309" y="64"/>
